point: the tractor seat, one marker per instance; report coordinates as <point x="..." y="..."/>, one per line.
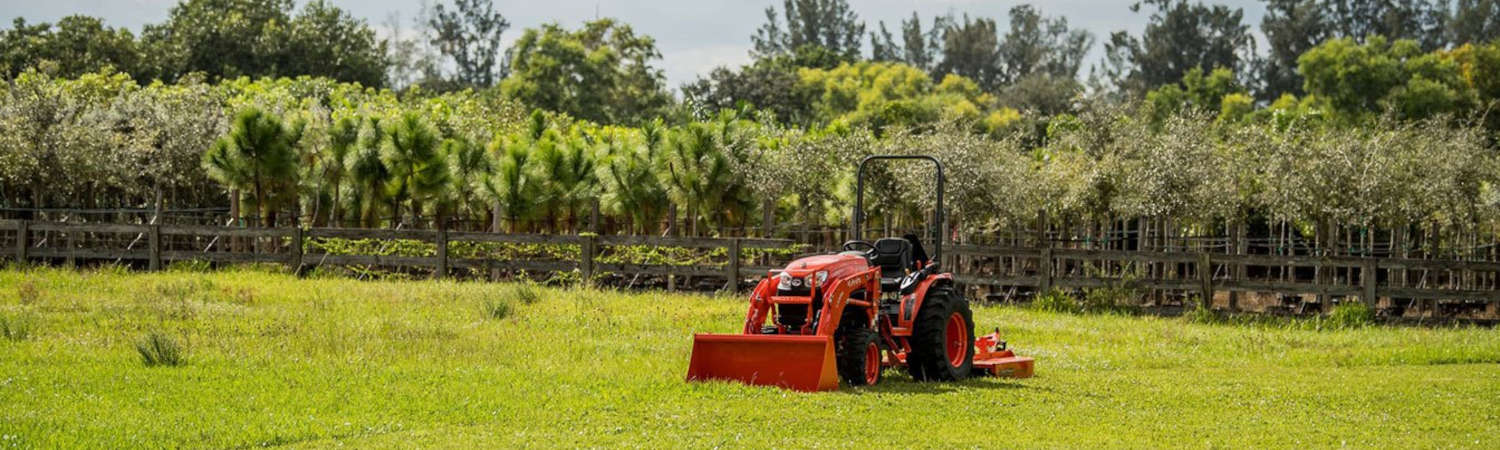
<point x="893" y="256"/>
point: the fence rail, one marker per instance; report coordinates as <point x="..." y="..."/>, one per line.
<point x="1379" y="282"/>
<point x="1193" y="274"/>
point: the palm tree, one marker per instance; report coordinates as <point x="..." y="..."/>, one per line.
<point x="368" y="174"/>
<point x="511" y="187"/>
<point x="468" y="165"/>
<point x="343" y="140"/>
<point x="418" y="171"/>
<point x="257" y="154"/>
<point x="565" y="165"/>
<point x="627" y="178"/>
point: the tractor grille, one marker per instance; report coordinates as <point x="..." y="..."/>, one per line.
<point x="798" y="291"/>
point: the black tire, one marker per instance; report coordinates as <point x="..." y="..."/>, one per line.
<point x="851" y="348"/>
<point x="929" y="358"/>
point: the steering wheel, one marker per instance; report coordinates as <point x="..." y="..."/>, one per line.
<point x="854" y="246"/>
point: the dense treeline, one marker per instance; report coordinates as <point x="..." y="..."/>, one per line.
<point x="1183" y="127"/>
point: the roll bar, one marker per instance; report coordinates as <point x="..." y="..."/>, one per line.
<point x="859" y="200"/>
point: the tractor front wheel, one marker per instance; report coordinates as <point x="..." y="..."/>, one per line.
<point x="942" y="340"/>
<point x="858" y="356"/>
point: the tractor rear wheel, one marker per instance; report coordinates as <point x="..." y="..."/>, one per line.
<point x="942" y="339"/>
<point x="857" y="350"/>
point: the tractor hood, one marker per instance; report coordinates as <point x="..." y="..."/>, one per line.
<point x="836" y="265"/>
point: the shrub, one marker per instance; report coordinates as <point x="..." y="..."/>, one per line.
<point x="1056" y="301"/>
<point x="1109" y="299"/>
<point x="1350" y="315"/>
<point x="159" y="349"/>
<point x="18" y="327"/>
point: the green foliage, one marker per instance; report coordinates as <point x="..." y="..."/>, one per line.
<point x="17" y="327"/>
<point x="1366" y="78"/>
<point x="469" y="35"/>
<point x="77" y="45"/>
<point x="497" y="308"/>
<point x="257" y="156"/>
<point x="160" y="349"/>
<point x="1350" y="315"/>
<point x="1198" y="92"/>
<point x="1179" y="37"/>
<point x="1056" y="301"/>
<point x="828" y="27"/>
<point x="418" y="171"/>
<point x="233" y="38"/>
<point x="600" y="72"/>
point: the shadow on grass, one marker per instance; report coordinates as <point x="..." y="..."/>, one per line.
<point x="892" y="383"/>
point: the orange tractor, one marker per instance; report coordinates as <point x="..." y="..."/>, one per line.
<point x="852" y="314"/>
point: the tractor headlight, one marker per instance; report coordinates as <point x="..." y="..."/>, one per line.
<point x="784" y="282"/>
<point x="820" y="277"/>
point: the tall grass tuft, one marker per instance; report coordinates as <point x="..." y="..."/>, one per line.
<point x="497" y="308"/>
<point x="1200" y="314"/>
<point x="159" y="349"/>
<point x="1350" y="315"/>
<point x="17" y="327"/>
<point x="27" y="292"/>
<point x="526" y="294"/>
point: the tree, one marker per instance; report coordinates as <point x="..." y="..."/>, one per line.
<point x="369" y="174"/>
<point x="468" y="165"/>
<point x="77" y="45"/>
<point x="601" y="72"/>
<point x="469" y="34"/>
<point x="627" y="177"/>
<point x="234" y="38"/>
<point x="1292" y="27"/>
<point x="827" y="24"/>
<point x="1179" y="37"/>
<point x="511" y="188"/>
<point x="257" y="155"/>
<point x="418" y="173"/>
<point x="768" y="84"/>
<point x="1198" y="92"/>
<point x="343" y="141"/>
<point x="971" y="50"/>
<point x="324" y="40"/>
<point x="1037" y="46"/>
<point x="1365" y="78"/>
<point x="1474" y="21"/>
<point x="1418" y="20"/>
<point x="883" y="46"/>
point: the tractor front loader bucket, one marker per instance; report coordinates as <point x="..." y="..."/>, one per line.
<point x="802" y="363"/>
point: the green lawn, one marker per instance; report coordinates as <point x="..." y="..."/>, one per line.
<point x="322" y="362"/>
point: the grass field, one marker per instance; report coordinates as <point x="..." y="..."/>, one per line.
<point x="270" y="359"/>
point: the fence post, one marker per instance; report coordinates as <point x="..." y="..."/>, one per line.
<point x="1367" y="277"/>
<point x="733" y="266"/>
<point x="155" y="241"/>
<point x="23" y="241"/>
<point x="586" y="263"/>
<point x="1206" y="281"/>
<point x="442" y="254"/>
<point x="1045" y="268"/>
<point x="296" y="260"/>
<point x="70" y="258"/>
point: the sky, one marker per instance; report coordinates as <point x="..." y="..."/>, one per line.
<point x="694" y="36"/>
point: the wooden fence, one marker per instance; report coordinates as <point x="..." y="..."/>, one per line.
<point x="154" y="246"/>
<point x="1212" y="278"/>
<point x="1385" y="283"/>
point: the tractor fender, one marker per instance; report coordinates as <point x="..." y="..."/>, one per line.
<point x="913" y="303"/>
